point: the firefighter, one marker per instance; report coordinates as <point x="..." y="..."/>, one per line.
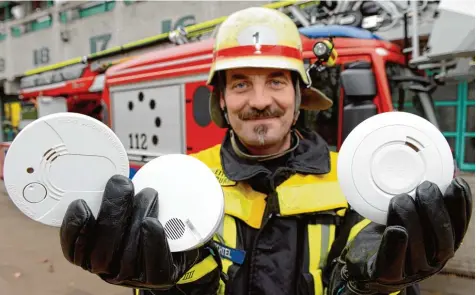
<point x="287" y="228"/>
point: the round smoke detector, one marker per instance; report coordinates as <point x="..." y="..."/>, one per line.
<point x="191" y="200"/>
<point x="391" y="154"/>
<point x="63" y="157"/>
<point x="60" y="158"/>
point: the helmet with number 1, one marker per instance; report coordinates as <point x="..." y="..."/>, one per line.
<point x="260" y="37"/>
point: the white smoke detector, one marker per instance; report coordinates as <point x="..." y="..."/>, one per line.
<point x="391" y="154"/>
<point x="63" y="157"/>
<point x="60" y="158"/>
<point x="191" y="201"/>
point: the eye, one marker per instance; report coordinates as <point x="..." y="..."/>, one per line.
<point x="240" y="85"/>
<point x="276" y="83"/>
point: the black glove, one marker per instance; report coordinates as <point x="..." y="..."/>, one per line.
<point x="126" y="245"/>
<point x="420" y="237"/>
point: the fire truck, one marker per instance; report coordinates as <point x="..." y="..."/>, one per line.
<point x="74" y="88"/>
<point x="158" y="103"/>
<point x="70" y="88"/>
<point x="77" y="85"/>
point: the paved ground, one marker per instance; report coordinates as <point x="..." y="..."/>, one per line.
<point x="461" y="264"/>
<point x="31" y="262"/>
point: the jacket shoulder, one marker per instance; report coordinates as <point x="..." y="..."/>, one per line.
<point x="210" y="156"/>
<point x="333" y="158"/>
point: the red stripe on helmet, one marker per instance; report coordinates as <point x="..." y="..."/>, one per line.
<point x="263" y="50"/>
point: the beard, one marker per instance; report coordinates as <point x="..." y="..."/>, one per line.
<point x="257" y="132"/>
<point x="261" y="131"/>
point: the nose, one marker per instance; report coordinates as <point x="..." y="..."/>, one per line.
<point x="260" y="98"/>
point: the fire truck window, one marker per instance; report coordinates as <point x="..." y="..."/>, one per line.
<point x="71" y="72"/>
<point x="28" y="111"/>
<point x="200" y="106"/>
<point x="29" y="81"/>
<point x="324" y="122"/>
<point x="44" y="78"/>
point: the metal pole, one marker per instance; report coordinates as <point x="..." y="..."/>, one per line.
<point x="428" y="108"/>
<point x="299" y="16"/>
<point x="415" y="35"/>
<point x="405" y="36"/>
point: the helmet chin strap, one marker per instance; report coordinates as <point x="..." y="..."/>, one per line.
<point x="297" y="101"/>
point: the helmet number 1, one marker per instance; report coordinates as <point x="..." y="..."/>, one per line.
<point x="256" y="39"/>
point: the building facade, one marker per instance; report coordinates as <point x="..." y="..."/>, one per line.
<point x="40" y="33"/>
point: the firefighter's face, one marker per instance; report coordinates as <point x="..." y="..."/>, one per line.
<point x="260" y="105"/>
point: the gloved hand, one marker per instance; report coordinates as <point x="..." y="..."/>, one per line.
<point x="420" y="237"/>
<point x="126" y="244"/>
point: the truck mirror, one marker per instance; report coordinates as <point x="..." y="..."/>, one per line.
<point x="354" y="114"/>
<point x="358" y="82"/>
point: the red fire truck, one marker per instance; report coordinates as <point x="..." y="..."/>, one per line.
<point x="158" y="103"/>
<point x="71" y="88"/>
<point x="74" y="88"/>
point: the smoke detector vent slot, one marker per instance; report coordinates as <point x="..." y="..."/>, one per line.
<point x="414" y="144"/>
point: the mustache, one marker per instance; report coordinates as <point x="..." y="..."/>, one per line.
<point x="253" y="113"/>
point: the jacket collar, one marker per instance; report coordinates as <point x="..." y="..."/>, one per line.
<point x="310" y="157"/>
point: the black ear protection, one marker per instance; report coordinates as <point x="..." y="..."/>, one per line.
<point x="220" y="84"/>
<point x="225" y="115"/>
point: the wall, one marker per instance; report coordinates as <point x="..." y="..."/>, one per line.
<point x="111" y="23"/>
<point x="117" y="25"/>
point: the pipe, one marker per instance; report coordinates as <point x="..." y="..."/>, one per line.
<point x="405" y="35"/>
<point x="415" y="35"/>
<point x="299" y="16"/>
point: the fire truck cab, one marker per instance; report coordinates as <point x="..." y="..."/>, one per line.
<point x="73" y="88"/>
<point x="158" y="103"/>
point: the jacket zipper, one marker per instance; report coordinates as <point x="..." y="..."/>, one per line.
<point x="265" y="221"/>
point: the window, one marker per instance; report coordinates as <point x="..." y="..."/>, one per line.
<point x="130" y="2"/>
<point x="28" y="110"/>
<point x="5" y="15"/>
<point x="31" y="7"/>
<point x="67" y="73"/>
<point x="324" y="122"/>
<point x="88" y="9"/>
<point x="39" y="5"/>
